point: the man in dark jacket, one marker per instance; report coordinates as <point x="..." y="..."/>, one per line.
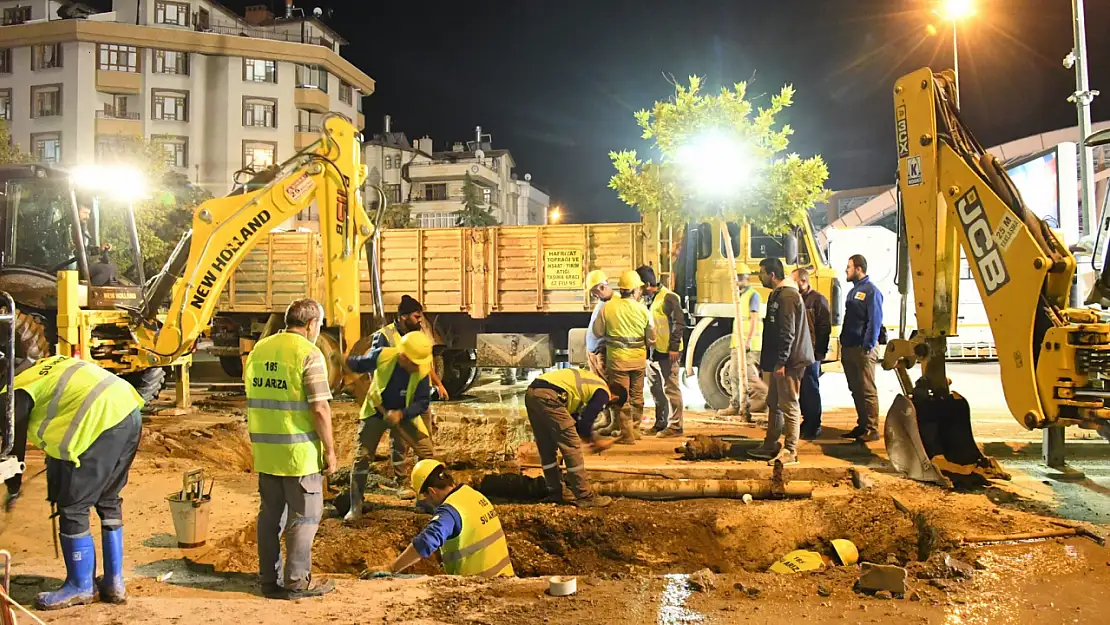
<point x="820" y="328"/>
<point x="786" y="352"/>
<point x="664" y="363"/>
<point x="859" y="342"/>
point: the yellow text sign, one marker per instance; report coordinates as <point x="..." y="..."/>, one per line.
<point x="562" y="269"/>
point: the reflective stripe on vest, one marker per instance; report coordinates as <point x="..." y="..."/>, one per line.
<point x="746" y="316"/>
<point x="391" y="334"/>
<point x="580" y="386"/>
<point x="280" y="420"/>
<point x="662" y="322"/>
<point x="626" y="321"/>
<point x="387" y="362"/>
<point x="74" y="403"/>
<point x="480" y="548"/>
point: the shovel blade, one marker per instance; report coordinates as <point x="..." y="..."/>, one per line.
<point x="904" y="446"/>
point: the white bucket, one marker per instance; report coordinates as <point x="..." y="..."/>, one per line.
<point x="190" y="520"/>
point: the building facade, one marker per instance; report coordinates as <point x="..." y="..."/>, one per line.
<point x="219" y="92"/>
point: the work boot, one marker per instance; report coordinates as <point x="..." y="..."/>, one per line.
<point x="627" y="432"/>
<point x="762" y="453"/>
<point x="812" y="434"/>
<point x="597" y="501"/>
<point x="786" y="457"/>
<point x="313" y="590"/>
<point x="358" y="485"/>
<point x="868" y="436"/>
<point x="731" y="411"/>
<point x="669" y="433"/>
<point x="79" y="553"/>
<point x="111" y="585"/>
<point x="856" y="432"/>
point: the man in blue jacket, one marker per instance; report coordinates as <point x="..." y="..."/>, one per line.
<point x="859" y="347"/>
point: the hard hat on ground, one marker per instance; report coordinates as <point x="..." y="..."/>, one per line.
<point x="846" y="551"/>
<point x="421" y="471"/>
<point x="417" y="347"/>
<point x="743" y="270"/>
<point x="630" y="280"/>
<point x="595" y="278"/>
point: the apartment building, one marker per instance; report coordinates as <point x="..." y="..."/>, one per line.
<point x="432" y="181"/>
<point x="219" y="91"/>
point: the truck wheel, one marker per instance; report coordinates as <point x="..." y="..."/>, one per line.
<point x="232" y="366"/>
<point x="148" y="382"/>
<point x="458" y="371"/>
<point x="713" y="373"/>
<point x="31" y="340"/>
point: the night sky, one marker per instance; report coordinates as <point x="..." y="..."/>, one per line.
<point x="556" y="82"/>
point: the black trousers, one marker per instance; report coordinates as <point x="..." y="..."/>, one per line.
<point x="98" y="481"/>
<point x="810" y="398"/>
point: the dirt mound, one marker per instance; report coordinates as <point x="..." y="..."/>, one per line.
<point x="222" y="445"/>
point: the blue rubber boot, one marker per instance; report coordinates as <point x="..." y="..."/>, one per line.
<point x="111" y="585"/>
<point x="79" y="553"/>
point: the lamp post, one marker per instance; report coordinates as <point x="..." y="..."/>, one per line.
<point x="1082" y="98"/>
<point x="955" y="11"/>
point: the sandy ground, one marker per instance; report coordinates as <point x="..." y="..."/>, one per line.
<point x="632" y="560"/>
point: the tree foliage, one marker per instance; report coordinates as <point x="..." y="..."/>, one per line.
<point x="10" y="152"/>
<point x="398" y="216"/>
<point x="777" y="190"/>
<point x="474" y="213"/>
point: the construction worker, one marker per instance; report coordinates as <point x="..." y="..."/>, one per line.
<point x="464" y="529"/>
<point x="87" y="422"/>
<point x="819" y="315"/>
<point x="399" y="393"/>
<point x="627" y="327"/>
<point x="410" y="318"/>
<point x="662" y="371"/>
<point x="562" y="405"/>
<point x="859" y="347"/>
<point x="597" y="283"/>
<point x="289" y="420"/>
<point x="755" y="400"/>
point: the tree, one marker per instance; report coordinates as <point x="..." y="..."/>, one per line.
<point x="397" y="216"/>
<point x="9" y="150"/>
<point x="475" y="213"/>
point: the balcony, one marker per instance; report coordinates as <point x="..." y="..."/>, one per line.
<point x="261" y="32"/>
<point x="305" y="136"/>
<point x="114" y="123"/>
<point x="449" y="205"/>
<point x="125" y="83"/>
<point x="441" y="172"/>
<point x="310" y="98"/>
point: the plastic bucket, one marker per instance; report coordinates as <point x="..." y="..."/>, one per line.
<point x="190" y="520"/>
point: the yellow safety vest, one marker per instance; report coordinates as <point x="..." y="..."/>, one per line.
<point x="480" y="548"/>
<point x="392" y="336"/>
<point x="746" y="316"/>
<point x="387" y="362"/>
<point x="662" y="323"/>
<point x="626" y="322"/>
<point x="74" y="403"/>
<point x="580" y="386"/>
<point x="279" y="418"/>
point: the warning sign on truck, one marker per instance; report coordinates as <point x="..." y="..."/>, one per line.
<point x="562" y="269"/>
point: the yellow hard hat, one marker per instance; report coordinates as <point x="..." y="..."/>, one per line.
<point x="630" y="280"/>
<point x="421" y="471"/>
<point x="742" y="269"/>
<point x="846" y="551"/>
<point x="417" y="347"/>
<point x="595" y="278"/>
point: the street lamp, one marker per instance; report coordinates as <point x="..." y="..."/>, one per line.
<point x="555" y="214"/>
<point x="120" y="182"/>
<point x="956" y="11"/>
<point x="716" y="164"/>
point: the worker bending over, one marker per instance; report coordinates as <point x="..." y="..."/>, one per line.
<point x="626" y="326"/>
<point x="464" y="529"/>
<point x="399" y="393"/>
<point x="87" y="422"/>
<point x="597" y="283"/>
<point x="562" y="406"/>
<point x="669" y="321"/>
<point x="289" y="420"/>
<point x="755" y="397"/>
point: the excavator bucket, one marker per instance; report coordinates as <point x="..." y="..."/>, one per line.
<point x="930" y="440"/>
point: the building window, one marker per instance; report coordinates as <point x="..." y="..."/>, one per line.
<point x="6" y="104"/>
<point x="117" y="109"/>
<point x="17" y="15"/>
<point x="312" y="77"/>
<point x="345" y="95"/>
<point x="118" y="58"/>
<point x="434" y="192"/>
<point x="260" y="113"/>
<point x="46" y="100"/>
<point x="388" y="161"/>
<point x="6" y="61"/>
<point x="258" y="155"/>
<point x="170" y="62"/>
<point x="47" y="146"/>
<point x="172" y="13"/>
<point x="170" y="105"/>
<point x="436" y="220"/>
<point x="175" y="148"/>
<point x="487" y="194"/>
<point x="259" y="70"/>
<point x="47" y="56"/>
<point x="392" y="193"/>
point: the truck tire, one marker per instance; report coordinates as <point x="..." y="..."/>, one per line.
<point x="458" y="371"/>
<point x="713" y="373"/>
<point x="148" y="382"/>
<point x="232" y="366"/>
<point x="31" y="340"/>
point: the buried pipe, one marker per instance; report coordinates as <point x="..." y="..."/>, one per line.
<point x="706" y="489"/>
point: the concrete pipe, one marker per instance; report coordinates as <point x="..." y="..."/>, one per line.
<point x="705" y="489"/>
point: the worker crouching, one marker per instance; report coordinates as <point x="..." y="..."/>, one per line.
<point x="87" y="422"/>
<point x="464" y="529"/>
<point x="562" y="406"/>
<point x="626" y="326"/>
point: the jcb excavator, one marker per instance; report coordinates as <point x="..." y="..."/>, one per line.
<point x="1054" y="360"/>
<point x="130" y="330"/>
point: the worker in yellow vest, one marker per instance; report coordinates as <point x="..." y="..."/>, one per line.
<point x="87" y="422"/>
<point x="289" y="421"/>
<point x="627" y="328"/>
<point x="399" y="393"/>
<point x="755" y="400"/>
<point x="597" y="284"/>
<point x="562" y="406"/>
<point x="662" y="371"/>
<point x="464" y="529"/>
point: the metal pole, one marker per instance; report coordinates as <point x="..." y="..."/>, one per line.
<point x="956" y="62"/>
<point x="1082" y="99"/>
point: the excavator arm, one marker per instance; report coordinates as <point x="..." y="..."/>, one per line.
<point x="956" y="196"/>
<point x="330" y="174"/>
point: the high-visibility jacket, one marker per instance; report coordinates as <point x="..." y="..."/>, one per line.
<point x="392" y="336"/>
<point x="280" y="420"/>
<point x="74" y="403"/>
<point x="663" y="323"/>
<point x="580" y="386"/>
<point x="626" y="323"/>
<point x="480" y="548"/>
<point x="387" y="362"/>
<point x="746" y="316"/>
